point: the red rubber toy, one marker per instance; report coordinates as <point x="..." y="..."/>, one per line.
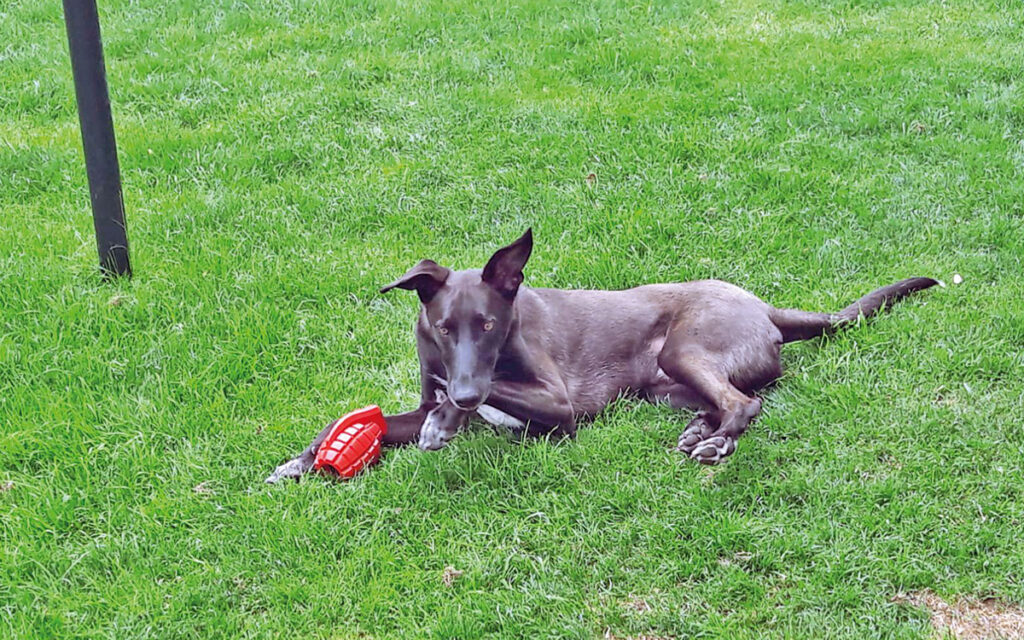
<point x="353" y="442"/>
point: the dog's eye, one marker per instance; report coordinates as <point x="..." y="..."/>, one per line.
<point x="488" y="325"/>
<point x="443" y="330"/>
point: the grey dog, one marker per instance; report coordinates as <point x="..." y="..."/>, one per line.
<point x="540" y="359"/>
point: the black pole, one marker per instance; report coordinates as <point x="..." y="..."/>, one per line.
<point x="86" y="49"/>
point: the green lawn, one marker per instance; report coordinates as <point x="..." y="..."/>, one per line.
<point x="282" y="160"/>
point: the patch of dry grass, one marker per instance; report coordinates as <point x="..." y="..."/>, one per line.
<point x="969" y="619"/>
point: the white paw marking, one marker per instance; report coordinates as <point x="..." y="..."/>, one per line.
<point x="432" y="435"/>
<point x="498" y="417"/>
<point x="688" y="439"/>
<point x="709" y="452"/>
<point x="290" y="469"/>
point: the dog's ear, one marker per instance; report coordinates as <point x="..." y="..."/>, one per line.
<point x="504" y="271"/>
<point x="427" y="278"/>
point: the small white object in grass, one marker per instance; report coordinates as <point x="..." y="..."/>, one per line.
<point x="450" y="575"/>
<point x="957" y="278"/>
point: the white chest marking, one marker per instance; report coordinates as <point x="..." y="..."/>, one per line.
<point x="498" y="417"/>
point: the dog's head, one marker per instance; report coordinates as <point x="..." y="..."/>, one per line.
<point x="468" y="316"/>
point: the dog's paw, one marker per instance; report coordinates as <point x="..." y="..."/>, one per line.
<point x="695" y="433"/>
<point x="293" y="469"/>
<point x="712" y="450"/>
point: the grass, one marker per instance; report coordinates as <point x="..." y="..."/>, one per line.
<point x="282" y="160"/>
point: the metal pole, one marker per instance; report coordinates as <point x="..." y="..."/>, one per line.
<point x="86" y="50"/>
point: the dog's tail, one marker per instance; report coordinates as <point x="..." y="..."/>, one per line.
<point x="802" y="325"/>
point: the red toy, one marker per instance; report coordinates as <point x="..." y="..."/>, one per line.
<point x="353" y="442"/>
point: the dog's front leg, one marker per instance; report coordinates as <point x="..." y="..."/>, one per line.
<point x="544" y="405"/>
<point x="442" y="423"/>
<point x="403" y="428"/>
<point x="301" y="463"/>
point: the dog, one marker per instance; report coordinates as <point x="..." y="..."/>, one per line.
<point x="539" y="360"/>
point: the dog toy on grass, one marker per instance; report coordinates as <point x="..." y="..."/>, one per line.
<point x="353" y="442"/>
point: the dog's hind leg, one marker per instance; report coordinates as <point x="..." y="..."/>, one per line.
<point x="681" y="396"/>
<point x="712" y="435"/>
<point x="698" y="430"/>
<point x="721" y="442"/>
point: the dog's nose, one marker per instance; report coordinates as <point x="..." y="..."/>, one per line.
<point x="466" y="399"/>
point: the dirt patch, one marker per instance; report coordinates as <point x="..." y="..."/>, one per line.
<point x="639" y="605"/>
<point x="968" y="619"/>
